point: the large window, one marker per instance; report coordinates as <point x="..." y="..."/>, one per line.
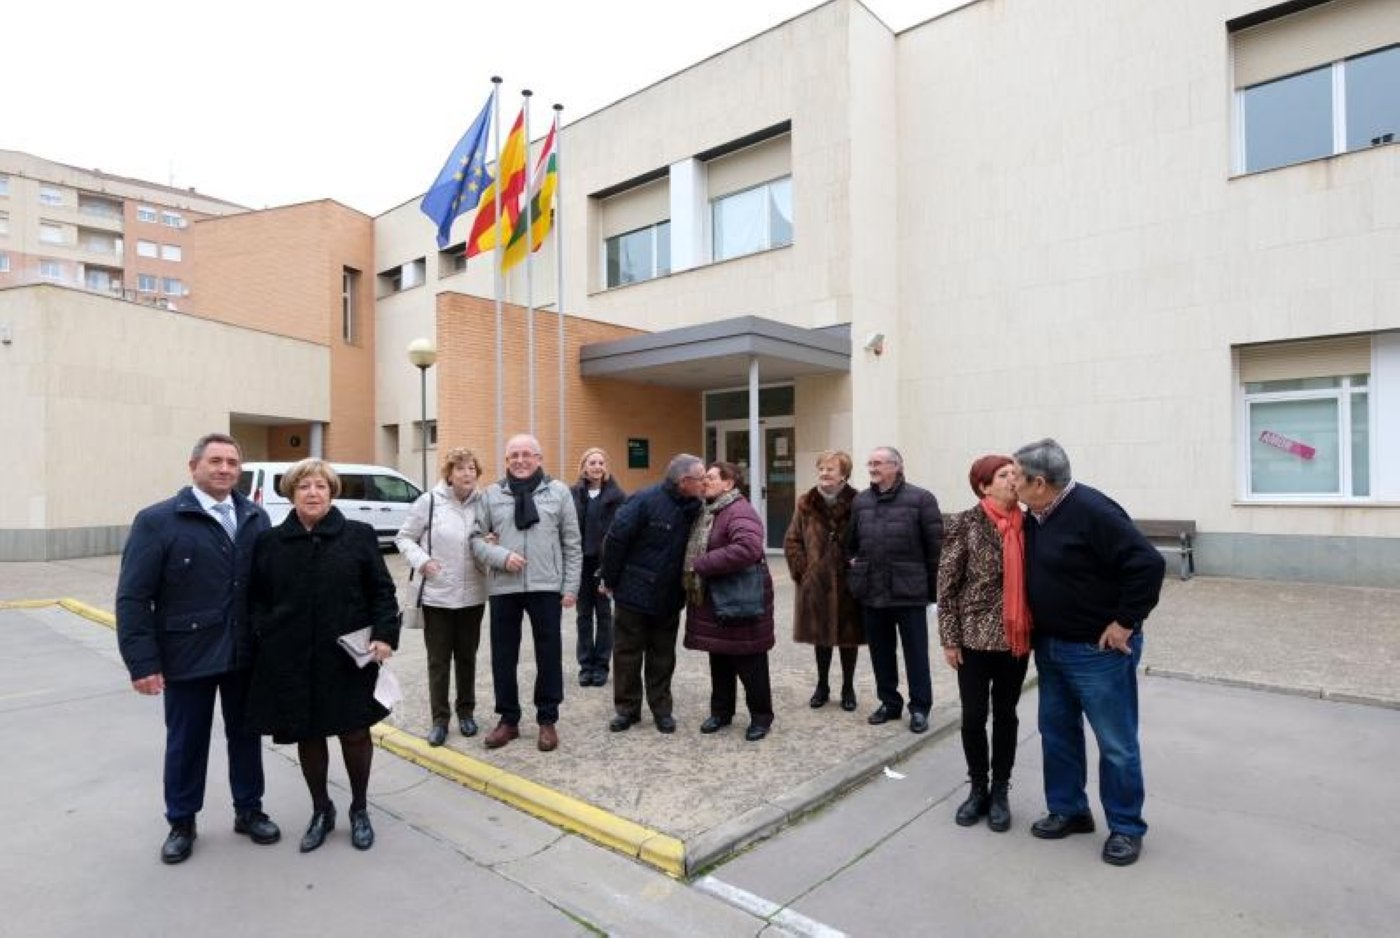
<point x="4" y="263"/>
<point x="50" y="233"/>
<point x="638" y="255"/>
<point x="1309" y="436"/>
<point x="146" y="283"/>
<point x="1347" y="105"/>
<point x="172" y="286"/>
<point x="171" y="252"/>
<point x="146" y="213"/>
<point x="48" y="195"/>
<point x="147" y="249"/>
<point x="50" y="270"/>
<point x="755" y="219"/>
<point x="4" y="185"/>
<point x="349" y="290"/>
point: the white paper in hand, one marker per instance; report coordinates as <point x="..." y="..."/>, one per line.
<point x="356" y="645"/>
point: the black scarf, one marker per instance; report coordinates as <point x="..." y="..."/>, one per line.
<point x="522" y="490"/>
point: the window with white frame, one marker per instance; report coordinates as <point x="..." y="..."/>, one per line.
<point x="50" y="233"/>
<point x="50" y="269"/>
<point x="172" y="219"/>
<point x="147" y="214"/>
<point x="643" y="254"/>
<point x="349" y="291"/>
<point x="171" y="252"/>
<point x="1314" y="80"/>
<point x="4" y="223"/>
<point x="755" y="219"/>
<point x="172" y="286"/>
<point x="1307" y="419"/>
<point x="4" y="263"/>
<point x="48" y="195"/>
<point x="146" y="283"/>
<point x="147" y="249"/>
<point x="4" y="185"/>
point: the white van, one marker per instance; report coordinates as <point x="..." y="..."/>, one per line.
<point x="376" y="495"/>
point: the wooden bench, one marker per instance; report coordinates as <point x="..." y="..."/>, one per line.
<point x="1173" y="537"/>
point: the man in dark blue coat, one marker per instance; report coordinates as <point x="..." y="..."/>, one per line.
<point x="182" y="627"/>
<point x="1091" y="580"/>
<point x="642" y="560"/>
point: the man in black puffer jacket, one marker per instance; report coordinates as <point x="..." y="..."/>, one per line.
<point x="643" y="553"/>
<point x="894" y="540"/>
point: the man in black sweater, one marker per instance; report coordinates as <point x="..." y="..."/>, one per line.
<point x="1091" y="579"/>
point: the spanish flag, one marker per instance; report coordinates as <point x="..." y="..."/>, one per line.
<point x="511" y="169"/>
<point x="541" y="206"/>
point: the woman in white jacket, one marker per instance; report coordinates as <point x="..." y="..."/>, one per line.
<point x="434" y="540"/>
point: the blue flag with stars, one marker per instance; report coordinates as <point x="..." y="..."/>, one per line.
<point x="458" y="187"/>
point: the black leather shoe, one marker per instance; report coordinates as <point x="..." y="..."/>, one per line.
<point x="819" y="697"/>
<point x="257" y="826"/>
<point x="585" y="679"/>
<point x="666" y="723"/>
<point x="437" y="735"/>
<point x="1122" y="849"/>
<point x="179" y="843"/>
<point x="975" y="807"/>
<point x="999" y="808"/>
<point x="714" y="724"/>
<point x="622" y="722"/>
<point x="322" y="823"/>
<point x="361" y="833"/>
<point x="918" y="722"/>
<point x="848" y="699"/>
<point x="1054" y="826"/>
<point x="469" y="727"/>
<point x="882" y="714"/>
<point x="755" y="732"/>
<point x="600" y="679"/>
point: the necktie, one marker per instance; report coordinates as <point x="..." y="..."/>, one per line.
<point x="225" y="513"/>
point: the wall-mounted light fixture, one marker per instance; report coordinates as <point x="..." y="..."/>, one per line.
<point x="875" y="342"/>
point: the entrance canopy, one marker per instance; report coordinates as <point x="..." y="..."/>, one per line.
<point x="720" y="354"/>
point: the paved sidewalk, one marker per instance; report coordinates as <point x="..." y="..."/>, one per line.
<point x="713" y="794"/>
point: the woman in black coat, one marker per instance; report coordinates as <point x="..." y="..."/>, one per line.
<point x="596" y="499"/>
<point x="318" y="576"/>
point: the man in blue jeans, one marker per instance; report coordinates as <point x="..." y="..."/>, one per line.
<point x="1091" y="579"/>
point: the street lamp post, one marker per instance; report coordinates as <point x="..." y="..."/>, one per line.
<point x="423" y="354"/>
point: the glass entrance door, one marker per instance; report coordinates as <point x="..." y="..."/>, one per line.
<point x="728" y="440"/>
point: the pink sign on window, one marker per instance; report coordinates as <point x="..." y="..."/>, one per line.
<point x="1279" y="441"/>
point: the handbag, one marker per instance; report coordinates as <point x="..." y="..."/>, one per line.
<point x="738" y="595"/>
<point x="411" y="616"/>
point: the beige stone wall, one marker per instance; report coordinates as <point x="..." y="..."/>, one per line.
<point x="103" y="399"/>
<point x="1077" y="261"/>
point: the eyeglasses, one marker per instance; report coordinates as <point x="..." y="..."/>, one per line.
<point x="692" y="478"/>
<point x="877" y="463"/>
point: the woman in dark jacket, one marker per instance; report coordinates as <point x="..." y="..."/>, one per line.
<point x="596" y="497"/>
<point x="825" y="614"/>
<point x="318" y="576"/>
<point x="984" y="626"/>
<point x="726" y="538"/>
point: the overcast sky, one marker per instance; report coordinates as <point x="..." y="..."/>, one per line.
<point x="268" y="103"/>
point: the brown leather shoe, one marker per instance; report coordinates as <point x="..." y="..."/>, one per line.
<point x="502" y="734"/>
<point x="549" y="739"/>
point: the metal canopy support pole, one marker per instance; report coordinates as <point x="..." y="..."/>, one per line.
<point x="758" y="483"/>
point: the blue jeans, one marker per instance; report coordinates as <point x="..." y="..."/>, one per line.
<point x="1078" y="681"/>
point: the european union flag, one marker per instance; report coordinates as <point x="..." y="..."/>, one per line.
<point x="458" y="187"/>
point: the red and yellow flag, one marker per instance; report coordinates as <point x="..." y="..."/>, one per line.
<point x="511" y="169"/>
<point x="541" y="206"/>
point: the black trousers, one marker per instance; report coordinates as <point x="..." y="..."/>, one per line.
<point x="886" y="628"/>
<point x="996" y="676"/>
<point x="507" y="617"/>
<point x="189" y="719"/>
<point x="452" y="637"/>
<point x="752" y="671"/>
<point x="643" y="647"/>
<point x="594" y="649"/>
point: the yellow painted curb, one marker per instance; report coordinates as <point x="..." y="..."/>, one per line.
<point x="662" y="851"/>
<point x="100" y="616"/>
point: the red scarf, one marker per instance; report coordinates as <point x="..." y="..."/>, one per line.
<point x="1016" y="612"/>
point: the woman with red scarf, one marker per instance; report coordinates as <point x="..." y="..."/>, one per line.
<point x="984" y="626"/>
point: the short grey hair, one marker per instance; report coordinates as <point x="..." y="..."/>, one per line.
<point x="680" y="465"/>
<point x="1045" y="459"/>
<point x="893" y="454"/>
<point x="201" y="444"/>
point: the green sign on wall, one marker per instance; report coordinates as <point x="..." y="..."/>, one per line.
<point x="638" y="453"/>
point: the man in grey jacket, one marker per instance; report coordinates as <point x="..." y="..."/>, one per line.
<point x="535" y="566"/>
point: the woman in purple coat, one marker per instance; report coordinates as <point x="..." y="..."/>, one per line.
<point x="726" y="538"/>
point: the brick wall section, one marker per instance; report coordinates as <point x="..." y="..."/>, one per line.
<point x="598" y="412"/>
<point x="279" y="271"/>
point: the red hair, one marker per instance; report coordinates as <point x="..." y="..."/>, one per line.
<point x="984" y="470"/>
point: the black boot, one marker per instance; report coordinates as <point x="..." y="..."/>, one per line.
<point x="976" y="804"/>
<point x="820" y="696"/>
<point x="999" y="811"/>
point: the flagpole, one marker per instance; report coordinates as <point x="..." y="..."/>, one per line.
<point x="500" y="367"/>
<point x="529" y="280"/>
<point x="559" y="271"/>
